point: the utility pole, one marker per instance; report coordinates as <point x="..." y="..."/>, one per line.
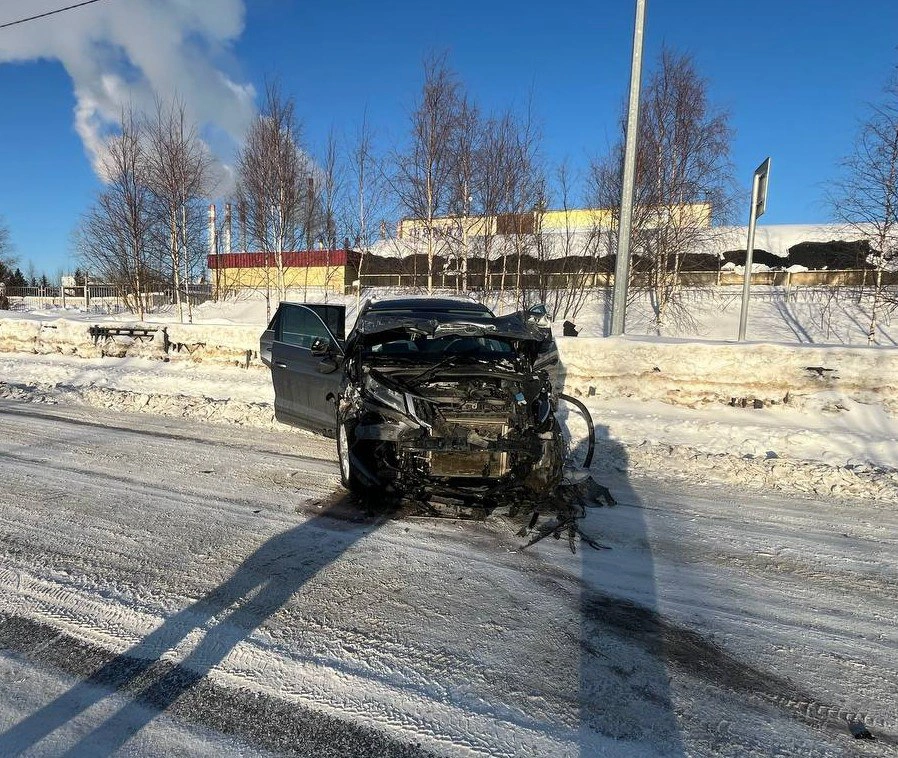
<point x="464" y="235"/>
<point x="622" y="265"/>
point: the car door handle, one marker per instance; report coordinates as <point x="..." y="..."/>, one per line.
<point x="280" y="365"/>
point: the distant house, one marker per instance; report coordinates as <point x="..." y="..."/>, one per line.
<point x="333" y="270"/>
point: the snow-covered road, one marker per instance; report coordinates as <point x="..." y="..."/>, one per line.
<point x="169" y="582"/>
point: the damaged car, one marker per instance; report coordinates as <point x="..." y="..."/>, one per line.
<point x="426" y="397"/>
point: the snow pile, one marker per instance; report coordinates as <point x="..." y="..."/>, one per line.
<point x="852" y="481"/>
<point x="220" y="343"/>
<point x="44" y="337"/>
<point x="217" y="343"/>
<point x="178" y="405"/>
<point x="779" y="238"/>
<point x="700" y="373"/>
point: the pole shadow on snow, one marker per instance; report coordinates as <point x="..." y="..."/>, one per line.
<point x="228" y="614"/>
<point x="624" y="682"/>
<point x="630" y="649"/>
<point x="625" y="690"/>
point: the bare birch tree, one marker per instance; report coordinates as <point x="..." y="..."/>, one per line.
<point x="367" y="191"/>
<point x="6" y="256"/>
<point x="493" y="163"/>
<point x="565" y="291"/>
<point x="464" y="148"/>
<point x="179" y="172"/>
<point x="423" y="180"/>
<point x="683" y="178"/>
<point x="330" y="196"/>
<point x="273" y="174"/>
<point x="115" y="236"/>
<point x="865" y="196"/>
<point x="7" y="276"/>
<point x="526" y="194"/>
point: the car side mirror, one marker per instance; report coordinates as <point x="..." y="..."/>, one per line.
<point x="539" y="315"/>
<point x="328" y="366"/>
<point x="320" y="346"/>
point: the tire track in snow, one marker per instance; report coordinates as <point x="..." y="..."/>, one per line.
<point x="274" y="724"/>
<point x="43" y="416"/>
<point x="385" y="575"/>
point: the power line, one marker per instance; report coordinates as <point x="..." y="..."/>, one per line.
<point x="48" y="13"/>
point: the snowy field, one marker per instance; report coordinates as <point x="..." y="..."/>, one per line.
<point x="180" y="573"/>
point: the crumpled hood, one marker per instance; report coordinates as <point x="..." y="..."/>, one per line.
<point x="507" y="327"/>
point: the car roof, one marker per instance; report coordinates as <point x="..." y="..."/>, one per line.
<point x="428" y="304"/>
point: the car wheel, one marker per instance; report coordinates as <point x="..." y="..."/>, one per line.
<point x="349" y="477"/>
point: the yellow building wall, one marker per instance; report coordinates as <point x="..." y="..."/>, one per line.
<point x="573" y="218"/>
<point x="295" y="277"/>
<point x="477" y="226"/>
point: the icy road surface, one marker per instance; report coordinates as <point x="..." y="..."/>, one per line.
<point x="173" y="587"/>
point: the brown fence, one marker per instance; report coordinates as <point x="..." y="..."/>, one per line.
<point x="530" y="281"/>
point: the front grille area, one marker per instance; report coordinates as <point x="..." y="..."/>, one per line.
<point x="479" y="464"/>
<point x="473" y="462"/>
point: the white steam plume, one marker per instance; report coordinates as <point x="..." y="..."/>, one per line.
<point x="127" y="53"/>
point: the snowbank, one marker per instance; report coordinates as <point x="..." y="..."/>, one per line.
<point x="695" y="373"/>
<point x="228" y="343"/>
<point x="217" y="343"/>
<point x="19" y="335"/>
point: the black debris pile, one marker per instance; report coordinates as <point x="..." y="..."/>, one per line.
<point x="561" y="515"/>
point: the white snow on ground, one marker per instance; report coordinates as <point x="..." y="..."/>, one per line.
<point x="721" y="622"/>
<point x="173" y="563"/>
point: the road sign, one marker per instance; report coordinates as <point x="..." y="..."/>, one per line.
<point x="762" y="172"/>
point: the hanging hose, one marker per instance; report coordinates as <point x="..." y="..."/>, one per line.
<point x="584" y="411"/>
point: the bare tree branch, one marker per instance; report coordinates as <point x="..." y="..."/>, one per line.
<point x="865" y="195"/>
<point x="683" y="179"/>
<point x="275" y="189"/>
<point x="179" y="174"/>
<point x="423" y="180"/>
<point x="115" y="238"/>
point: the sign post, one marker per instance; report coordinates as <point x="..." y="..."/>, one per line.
<point x="758" y="207"/>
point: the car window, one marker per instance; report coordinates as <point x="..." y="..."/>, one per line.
<point x="332" y="315"/>
<point x="299" y="326"/>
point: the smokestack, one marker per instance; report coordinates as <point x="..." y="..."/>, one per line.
<point x="227" y="228"/>
<point x="241" y="212"/>
<point x="213" y="242"/>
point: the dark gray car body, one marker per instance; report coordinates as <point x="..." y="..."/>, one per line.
<point x="425" y="395"/>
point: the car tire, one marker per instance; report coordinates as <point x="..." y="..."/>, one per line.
<point x="349" y="476"/>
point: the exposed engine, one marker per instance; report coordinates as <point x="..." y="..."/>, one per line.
<point x="464" y="435"/>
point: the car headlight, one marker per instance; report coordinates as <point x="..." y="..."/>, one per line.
<point x="383" y="394"/>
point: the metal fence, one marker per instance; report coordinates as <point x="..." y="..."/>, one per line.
<point x="98" y="298"/>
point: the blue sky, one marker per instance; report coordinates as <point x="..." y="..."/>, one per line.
<point x="794" y="74"/>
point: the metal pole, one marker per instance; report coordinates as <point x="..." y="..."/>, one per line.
<point x="622" y="267"/>
<point x="749" y="251"/>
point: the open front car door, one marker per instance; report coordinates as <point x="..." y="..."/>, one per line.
<point x="307" y="364"/>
